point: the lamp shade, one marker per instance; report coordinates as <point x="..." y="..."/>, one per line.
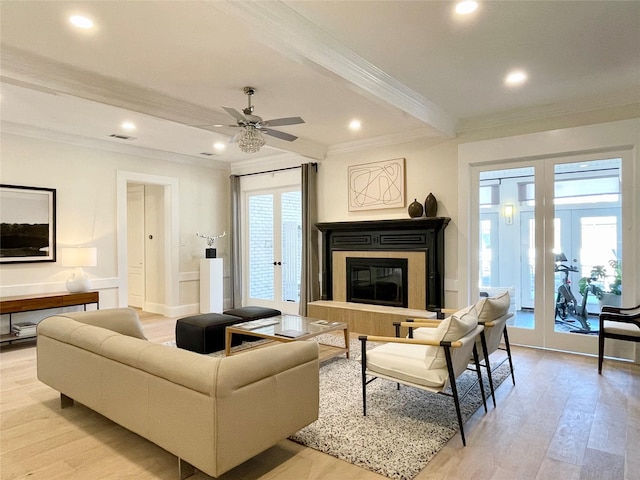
<point x="79" y="256"/>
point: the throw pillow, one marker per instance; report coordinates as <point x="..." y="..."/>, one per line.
<point x="450" y="329"/>
<point x="490" y="308"/>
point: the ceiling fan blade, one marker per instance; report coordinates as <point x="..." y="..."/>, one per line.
<point x="279" y="122"/>
<point x="278" y="134"/>
<point x="234" y="139"/>
<point x="235" y="114"/>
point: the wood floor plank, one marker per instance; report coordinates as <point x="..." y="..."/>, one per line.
<point x="561" y="420"/>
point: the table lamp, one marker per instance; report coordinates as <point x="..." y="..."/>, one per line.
<point x="78" y="257"/>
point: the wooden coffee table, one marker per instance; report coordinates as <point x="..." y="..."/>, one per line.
<point x="291" y="328"/>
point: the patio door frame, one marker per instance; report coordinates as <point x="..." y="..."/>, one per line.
<point x="543" y="150"/>
<point x="268" y="184"/>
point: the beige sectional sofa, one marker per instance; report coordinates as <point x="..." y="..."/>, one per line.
<point x="212" y="413"/>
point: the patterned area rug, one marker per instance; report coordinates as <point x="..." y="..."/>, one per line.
<point x="403" y="429"/>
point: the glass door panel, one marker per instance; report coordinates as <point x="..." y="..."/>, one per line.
<point x="506" y="255"/>
<point x="291" y="206"/>
<point x="261" y="243"/>
<point x="274" y="249"/>
<point x="587" y="239"/>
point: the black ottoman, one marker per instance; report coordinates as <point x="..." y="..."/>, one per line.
<point x="253" y="313"/>
<point x="205" y="333"/>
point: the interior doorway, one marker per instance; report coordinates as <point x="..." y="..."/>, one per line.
<point x="145" y="218"/>
<point x="161" y="215"/>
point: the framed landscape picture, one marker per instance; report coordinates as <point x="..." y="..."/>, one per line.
<point x="376" y="185"/>
<point x="27" y="224"/>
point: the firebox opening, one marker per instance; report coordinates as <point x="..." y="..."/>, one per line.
<point x="377" y="281"/>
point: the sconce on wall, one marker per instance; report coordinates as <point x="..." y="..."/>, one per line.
<point x="78" y="257"/>
<point x="508" y="214"/>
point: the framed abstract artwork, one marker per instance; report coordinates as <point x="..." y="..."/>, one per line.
<point x="27" y="224"/>
<point x="376" y="185"/>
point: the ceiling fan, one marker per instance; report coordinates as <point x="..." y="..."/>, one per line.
<point x="249" y="139"/>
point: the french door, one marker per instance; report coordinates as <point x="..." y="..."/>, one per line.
<point x="534" y="220"/>
<point x="273" y="248"/>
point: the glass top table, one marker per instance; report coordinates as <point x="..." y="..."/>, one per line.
<point x="291" y="328"/>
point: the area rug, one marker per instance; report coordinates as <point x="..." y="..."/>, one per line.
<point x="403" y="429"/>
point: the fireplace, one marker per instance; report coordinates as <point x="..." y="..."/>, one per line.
<point x="378" y="281"/>
<point x="419" y="241"/>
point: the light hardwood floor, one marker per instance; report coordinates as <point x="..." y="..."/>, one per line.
<point x="561" y="421"/>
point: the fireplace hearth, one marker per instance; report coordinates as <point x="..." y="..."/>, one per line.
<point x="418" y="242"/>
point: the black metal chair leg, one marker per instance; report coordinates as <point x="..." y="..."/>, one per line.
<point x="363" y="345"/>
<point x="508" y="348"/>
<point x="477" y="362"/>
<point x="454" y="390"/>
<point x="483" y="341"/>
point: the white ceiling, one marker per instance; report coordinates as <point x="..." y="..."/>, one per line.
<point x="406" y="69"/>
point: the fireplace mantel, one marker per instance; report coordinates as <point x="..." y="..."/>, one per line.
<point x="409" y="235"/>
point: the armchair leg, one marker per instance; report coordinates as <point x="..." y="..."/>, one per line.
<point x="487" y="364"/>
<point x="363" y="344"/>
<point x="600" y="349"/>
<point x="454" y="390"/>
<point x="508" y="348"/>
<point x="477" y="362"/>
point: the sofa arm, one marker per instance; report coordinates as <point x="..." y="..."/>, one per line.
<point x="264" y="396"/>
<point x="121" y="320"/>
<point x="238" y="371"/>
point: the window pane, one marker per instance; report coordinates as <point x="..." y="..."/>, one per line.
<point x="261" y="256"/>
<point x="291" y="245"/>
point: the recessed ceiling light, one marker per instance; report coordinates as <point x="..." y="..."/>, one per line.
<point x="355" y="125"/>
<point x="128" y="126"/>
<point x="466" y="7"/>
<point x="219" y="146"/>
<point x="81" y="22"/>
<point x="517" y="77"/>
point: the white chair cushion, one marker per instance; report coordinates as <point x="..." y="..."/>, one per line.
<point x="405" y="362"/>
<point x="490" y="308"/>
<point x="621" y="328"/>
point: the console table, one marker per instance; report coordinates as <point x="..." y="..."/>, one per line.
<point x="31" y="303"/>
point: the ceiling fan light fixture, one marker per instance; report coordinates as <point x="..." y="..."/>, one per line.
<point x="250" y="139"/>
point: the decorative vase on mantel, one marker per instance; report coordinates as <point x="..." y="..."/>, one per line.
<point x="415" y="209"/>
<point x="430" y="205"/>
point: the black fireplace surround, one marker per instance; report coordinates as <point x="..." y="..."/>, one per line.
<point x="409" y="235"/>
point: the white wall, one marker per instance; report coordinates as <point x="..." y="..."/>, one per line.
<point x="85" y="180"/>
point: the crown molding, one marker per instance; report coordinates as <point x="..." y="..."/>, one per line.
<point x="623" y="101"/>
<point x="31" y="71"/>
<point x="382" y="141"/>
<point x="18" y="129"/>
<point x="292" y="34"/>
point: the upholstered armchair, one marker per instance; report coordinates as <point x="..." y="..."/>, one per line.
<point x="492" y="313"/>
<point x="432" y="364"/>
<point x="620" y="324"/>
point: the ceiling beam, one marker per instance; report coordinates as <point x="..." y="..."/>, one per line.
<point x="293" y="35"/>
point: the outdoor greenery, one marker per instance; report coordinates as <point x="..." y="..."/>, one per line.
<point x="596" y="282"/>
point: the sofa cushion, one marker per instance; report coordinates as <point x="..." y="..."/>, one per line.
<point x="121" y="320"/>
<point x="490" y="308"/>
<point x="405" y="362"/>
